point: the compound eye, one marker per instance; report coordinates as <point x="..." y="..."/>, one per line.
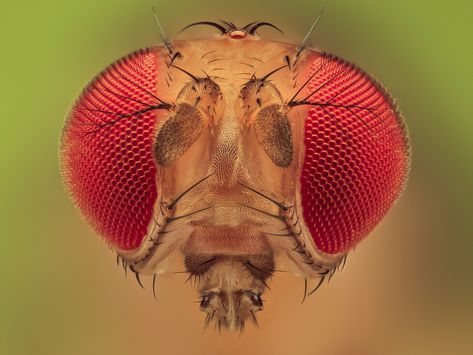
<point x="106" y="149"/>
<point x="356" y="155"/>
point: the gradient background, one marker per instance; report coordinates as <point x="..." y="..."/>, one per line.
<point x="407" y="289"/>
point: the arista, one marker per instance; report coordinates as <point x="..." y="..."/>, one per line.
<point x="231" y="157"/>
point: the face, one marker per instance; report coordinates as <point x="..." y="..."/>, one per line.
<point x="234" y="156"/>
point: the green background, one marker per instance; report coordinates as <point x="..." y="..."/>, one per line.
<point x="407" y="289"/>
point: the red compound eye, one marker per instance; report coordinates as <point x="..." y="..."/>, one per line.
<point x="356" y="154"/>
<point x="107" y="158"/>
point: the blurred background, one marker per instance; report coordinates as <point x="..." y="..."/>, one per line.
<point x="407" y="289"/>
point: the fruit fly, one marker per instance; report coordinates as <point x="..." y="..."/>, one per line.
<point x="233" y="157"/>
